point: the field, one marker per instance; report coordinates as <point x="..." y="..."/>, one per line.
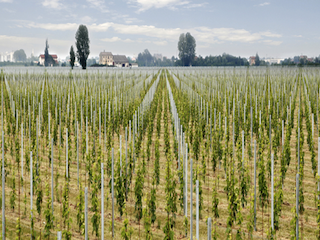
<point x="155" y="135"/>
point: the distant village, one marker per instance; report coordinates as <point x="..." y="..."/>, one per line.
<point x="105" y="59"/>
<point x="108" y="59"/>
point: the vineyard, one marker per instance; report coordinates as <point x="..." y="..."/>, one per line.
<point x="150" y="153"/>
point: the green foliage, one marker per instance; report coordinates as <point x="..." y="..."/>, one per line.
<point x="293" y="224"/>
<point x="240" y="235"/>
<point x="72" y="57"/>
<point x="13" y="194"/>
<point x="171" y="198"/>
<point x="82" y="43"/>
<point x="186" y="225"/>
<point x="126" y="232"/>
<point x="233" y="201"/>
<point x="147" y="220"/>
<point x="39" y="194"/>
<point x="32" y="233"/>
<point x="95" y="220"/>
<point x="66" y="212"/>
<point x="138" y="191"/>
<point x="215" y="202"/>
<point x="187" y="48"/>
<point x="318" y="219"/>
<point x="18" y="229"/>
<point x="49" y="218"/>
<point x="80" y="210"/>
<point x="120" y="188"/>
<point x="157" y="163"/>
<point x="250" y="218"/>
<point x="263" y="188"/>
<point x="152" y="205"/>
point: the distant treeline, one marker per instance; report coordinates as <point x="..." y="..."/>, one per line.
<point x="221" y="60"/>
<point x="146" y="59"/>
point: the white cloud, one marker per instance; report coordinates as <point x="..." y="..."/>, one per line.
<point x="87" y="19"/>
<point x="144" y="5"/>
<point x="117" y="39"/>
<point x="195" y="5"/>
<point x="270" y="34"/>
<point x="264" y="4"/>
<point x="161" y="43"/>
<point x="55" y="4"/>
<point x="272" y="43"/>
<point x="6" y="1"/>
<point x="14" y="42"/>
<point x="54" y="27"/>
<point x="201" y="34"/>
<point x="98" y="4"/>
<point x="298" y="36"/>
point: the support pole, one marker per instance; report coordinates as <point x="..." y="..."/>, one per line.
<point x="191" y="202"/>
<point x="86" y="213"/>
<point x="102" y="203"/>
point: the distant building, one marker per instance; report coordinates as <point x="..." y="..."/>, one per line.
<point x="6" y="57"/>
<point x="274" y="60"/>
<point x="120" y="61"/>
<point x="134" y="65"/>
<point x="252" y="60"/>
<point x="304" y="57"/>
<point x="41" y="58"/>
<point x="107" y="58"/>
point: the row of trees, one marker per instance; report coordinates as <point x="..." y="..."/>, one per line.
<point x="82" y="53"/>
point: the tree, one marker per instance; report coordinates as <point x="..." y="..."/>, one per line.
<point x="187" y="48"/>
<point x="145" y="58"/>
<point x="82" y="43"/>
<point x="20" y="56"/>
<point x="257" y="61"/>
<point x="72" y="57"/>
<point x="46" y="54"/>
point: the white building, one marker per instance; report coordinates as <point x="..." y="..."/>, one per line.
<point x="273" y="60"/>
<point x="6" y="57"/>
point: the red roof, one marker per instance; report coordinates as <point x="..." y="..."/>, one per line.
<point x="52" y="55"/>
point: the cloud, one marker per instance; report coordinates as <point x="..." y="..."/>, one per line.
<point x="161" y="43"/>
<point x="297" y="36"/>
<point x="144" y="5"/>
<point x="195" y="5"/>
<point x="87" y="19"/>
<point x="15" y="41"/>
<point x="201" y="34"/>
<point x="54" y="27"/>
<point x="98" y="4"/>
<point x="6" y="1"/>
<point x="270" y="34"/>
<point x="272" y="43"/>
<point x="55" y="4"/>
<point x="117" y="39"/>
<point x="264" y="4"/>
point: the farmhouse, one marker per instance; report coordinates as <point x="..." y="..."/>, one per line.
<point x="107" y="58"/>
<point x="41" y="58"/>
<point x="120" y="61"/>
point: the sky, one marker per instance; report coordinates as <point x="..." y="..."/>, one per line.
<point x="271" y="28"/>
